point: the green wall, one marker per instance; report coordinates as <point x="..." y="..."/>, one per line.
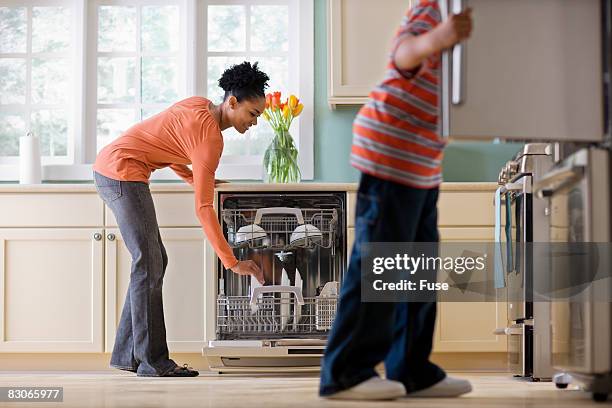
<point x="463" y="161"/>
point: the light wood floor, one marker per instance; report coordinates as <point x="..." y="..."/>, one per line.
<point x="84" y="390"/>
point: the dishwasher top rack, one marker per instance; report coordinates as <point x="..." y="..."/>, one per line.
<point x="281" y="227"/>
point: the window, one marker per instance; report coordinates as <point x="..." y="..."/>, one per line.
<point x="35" y="90"/>
<point x="80" y="72"/>
<point x="137" y="64"/>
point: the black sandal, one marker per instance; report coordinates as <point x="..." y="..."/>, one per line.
<point x="184" y="371"/>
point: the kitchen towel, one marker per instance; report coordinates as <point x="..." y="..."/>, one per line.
<point x="29" y="160"/>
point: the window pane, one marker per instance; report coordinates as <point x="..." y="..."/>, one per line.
<point x="260" y="136"/>
<point x="51" y="127"/>
<point x="116" y="79"/>
<point x="160" y="28"/>
<point x="269" y="28"/>
<point x="159" y="79"/>
<point x="216" y="66"/>
<point x="13" y="29"/>
<point x="147" y="112"/>
<point x="12" y="127"/>
<point x="277" y="69"/>
<point x="50" y="80"/>
<point x="12" y="80"/>
<point x="111" y="123"/>
<point x="226" y="28"/>
<point x="234" y="143"/>
<point x="50" y="29"/>
<point x="116" y="28"/>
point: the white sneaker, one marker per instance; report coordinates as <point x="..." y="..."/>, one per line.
<point x="448" y="387"/>
<point x="374" y="388"/>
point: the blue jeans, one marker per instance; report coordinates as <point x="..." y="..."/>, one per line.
<point x="140" y="342"/>
<point x="364" y="334"/>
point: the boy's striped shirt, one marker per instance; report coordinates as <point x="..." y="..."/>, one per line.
<point x="395" y="135"/>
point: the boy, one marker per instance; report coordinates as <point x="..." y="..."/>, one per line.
<point x="397" y="147"/>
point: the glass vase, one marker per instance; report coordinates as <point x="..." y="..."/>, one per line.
<point x="280" y="159"/>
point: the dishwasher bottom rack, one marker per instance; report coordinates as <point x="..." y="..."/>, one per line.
<point x="274" y="316"/>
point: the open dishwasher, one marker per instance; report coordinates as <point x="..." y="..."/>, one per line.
<point x="298" y="240"/>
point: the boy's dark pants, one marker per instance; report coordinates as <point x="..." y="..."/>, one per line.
<point x="401" y="334"/>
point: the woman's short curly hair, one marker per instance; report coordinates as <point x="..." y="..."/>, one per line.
<point x="244" y="81"/>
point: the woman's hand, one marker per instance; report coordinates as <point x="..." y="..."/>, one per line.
<point x="249" y="268"/>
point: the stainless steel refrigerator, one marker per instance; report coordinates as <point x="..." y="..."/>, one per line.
<point x="539" y="71"/>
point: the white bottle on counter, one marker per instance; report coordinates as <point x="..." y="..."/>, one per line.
<point x="30" y="171"/>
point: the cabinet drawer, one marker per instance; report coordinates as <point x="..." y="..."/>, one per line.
<point x="466" y="208"/>
<point x="51" y="210"/>
<point x="172" y="210"/>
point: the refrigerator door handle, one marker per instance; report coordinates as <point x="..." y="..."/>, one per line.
<point x="458" y="62"/>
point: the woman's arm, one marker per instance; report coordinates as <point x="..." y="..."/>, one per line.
<point x="204" y="190"/>
<point x="183" y="172"/>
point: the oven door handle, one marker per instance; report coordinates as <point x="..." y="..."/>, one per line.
<point x="558" y="179"/>
<point x="277" y="289"/>
<point x="509" y="331"/>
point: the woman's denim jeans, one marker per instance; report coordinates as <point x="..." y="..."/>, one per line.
<point x="140" y="343"/>
<point x="400" y="334"/>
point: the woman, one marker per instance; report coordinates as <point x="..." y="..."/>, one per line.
<point x="188" y="132"/>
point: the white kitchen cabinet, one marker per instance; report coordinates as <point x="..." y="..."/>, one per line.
<point x="51" y="290"/>
<point x="359" y="36"/>
<point x="469" y="326"/>
<point x="191" y="261"/>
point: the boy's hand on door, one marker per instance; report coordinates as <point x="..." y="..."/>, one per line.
<point x="455" y="29"/>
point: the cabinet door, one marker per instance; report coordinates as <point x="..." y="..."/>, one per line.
<point x="51" y="286"/>
<point x="543" y="81"/>
<point x="469" y="326"/>
<point x="189" y="272"/>
<point x="360" y="33"/>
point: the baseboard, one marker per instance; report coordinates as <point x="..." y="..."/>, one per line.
<point x="80" y="362"/>
<point x="472" y="362"/>
<point x="465" y="362"/>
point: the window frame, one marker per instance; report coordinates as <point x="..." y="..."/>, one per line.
<point x="192" y="57"/>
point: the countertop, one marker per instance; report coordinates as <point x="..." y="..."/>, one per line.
<point x="183" y="187"/>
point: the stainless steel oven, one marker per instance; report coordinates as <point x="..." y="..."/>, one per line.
<point x="525" y="223"/>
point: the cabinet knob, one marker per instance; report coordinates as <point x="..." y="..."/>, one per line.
<point x="97" y="236"/>
<point x="111" y="237"/>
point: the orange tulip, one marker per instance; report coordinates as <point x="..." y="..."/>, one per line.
<point x="298" y="110"/>
<point x="293" y="102"/>
<point x="268" y="100"/>
<point x="276" y="100"/>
